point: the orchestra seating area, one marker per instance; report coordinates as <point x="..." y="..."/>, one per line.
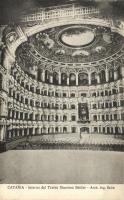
<point x="72" y="141"/>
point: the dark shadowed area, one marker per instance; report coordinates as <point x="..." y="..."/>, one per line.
<point x="10" y="10"/>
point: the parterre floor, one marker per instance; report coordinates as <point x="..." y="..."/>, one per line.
<point x="61" y="167"/>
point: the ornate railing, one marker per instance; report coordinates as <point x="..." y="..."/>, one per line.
<point x="59" y="12"/>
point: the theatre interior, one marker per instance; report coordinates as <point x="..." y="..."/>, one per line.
<point x="62" y="79"/>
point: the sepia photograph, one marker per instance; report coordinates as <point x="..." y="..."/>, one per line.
<point x="61" y="92"/>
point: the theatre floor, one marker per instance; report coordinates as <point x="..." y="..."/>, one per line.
<point x="61" y="167"/>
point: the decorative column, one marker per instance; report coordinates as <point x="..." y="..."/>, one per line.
<point x="29" y="87"/>
<point x="33" y="116"/>
<point x="19" y="97"/>
<point x="19" y="115"/>
<point x="51" y="78"/>
<point x="76" y="79"/>
<point x="38" y="131"/>
<point x="33" y="131"/>
<point x="78" y="130"/>
<point x="114" y="130"/>
<point x="59" y="78"/>
<point x="18" y="131"/>
<point x="112" y="116"/>
<point x="23" y="115"/>
<point x="115" y="75"/>
<point x="107" y="75"/>
<point x="73" y="9"/>
<point x="43" y="75"/>
<point x="10" y="115"/>
<point x="98" y="78"/>
<point x="23" y="132"/>
<point x="34" y="102"/>
<point x="67" y="80"/>
<point x="1" y="133"/>
<point x="59" y="129"/>
<point x="27" y="131"/>
<point x="14" y="114"/>
<point x="121" y="128"/>
<point x="89" y="78"/>
<point x="122" y="71"/>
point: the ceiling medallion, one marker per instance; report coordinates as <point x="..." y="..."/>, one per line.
<point x="76" y="36"/>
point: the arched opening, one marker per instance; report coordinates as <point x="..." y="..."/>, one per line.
<point x="47" y="76"/>
<point x="64" y="129"/>
<point x="56" y="130"/>
<point x="16" y="132"/>
<point x="94" y="94"/>
<point x="108" y="130"/>
<point x="95" y="118"/>
<point x="64" y="106"/>
<point x="83" y="79"/>
<point x="57" y="106"/>
<point x="25" y="131"/>
<point x="31" y="117"/>
<point x="95" y="129"/>
<point x="64" y="118"/>
<point x="30" y="131"/>
<point x="106" y="92"/>
<point x="119" y="72"/>
<point x="39" y="77"/>
<point x="56" y="118"/>
<point x="102" y="76"/>
<point x="116" y="130"/>
<point x="44" y="129"/>
<point x="55" y="78"/>
<point x="64" y="79"/>
<point x="93" y="78"/>
<point x="72" y="106"/>
<point x="20" y="132"/>
<point x="111" y="75"/>
<point x="73" y="129"/>
<point x="37" y="117"/>
<point x="72" y="80"/>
